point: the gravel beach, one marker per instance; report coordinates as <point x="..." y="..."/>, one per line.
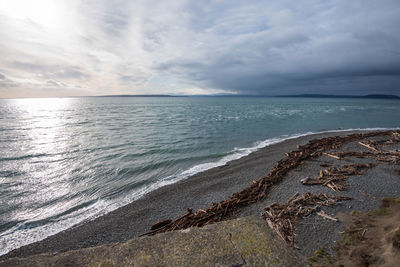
<point x="218" y="184"/>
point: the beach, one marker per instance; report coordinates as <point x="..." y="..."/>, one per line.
<point x="159" y="134"/>
<point x="218" y="184"/>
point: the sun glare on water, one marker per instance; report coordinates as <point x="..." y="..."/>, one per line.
<point x="44" y="121"/>
<point x="45" y="13"/>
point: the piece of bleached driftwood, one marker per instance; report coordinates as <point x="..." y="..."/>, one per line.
<point x="323" y="214"/>
<point x="332" y="156"/>
<point x="368" y="146"/>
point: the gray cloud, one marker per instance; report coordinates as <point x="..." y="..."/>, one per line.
<point x="68" y="73"/>
<point x="50" y="71"/>
<point x="53" y="83"/>
<point x="6" y="82"/>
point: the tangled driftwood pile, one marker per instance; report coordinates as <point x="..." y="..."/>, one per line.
<point x="334" y="177"/>
<point x="378" y="144"/>
<point x="283" y="218"/>
<point x="259" y="189"/>
<point x="384" y="156"/>
<point x="375" y="148"/>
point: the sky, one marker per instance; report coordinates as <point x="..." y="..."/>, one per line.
<point x="55" y="48"/>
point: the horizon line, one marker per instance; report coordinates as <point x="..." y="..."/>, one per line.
<point x="384" y="96"/>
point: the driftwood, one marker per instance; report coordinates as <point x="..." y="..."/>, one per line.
<point x="383" y="156"/>
<point x="332" y="156"/>
<point x="379" y="144"/>
<point x="334" y="177"/>
<point x="283" y="218"/>
<point x="376" y="150"/>
<point x="368" y="146"/>
<point x="160" y="224"/>
<point x="366" y="194"/>
<point x="259" y="189"/>
<point x="324" y="215"/>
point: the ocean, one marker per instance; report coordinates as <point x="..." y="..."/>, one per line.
<point x="64" y="161"/>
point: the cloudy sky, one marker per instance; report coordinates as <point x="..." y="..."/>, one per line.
<point x="97" y="47"/>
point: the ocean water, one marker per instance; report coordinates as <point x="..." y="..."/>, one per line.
<point x="68" y="160"/>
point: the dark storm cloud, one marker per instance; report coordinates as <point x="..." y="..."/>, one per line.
<point x="296" y="48"/>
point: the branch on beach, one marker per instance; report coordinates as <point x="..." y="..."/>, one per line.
<point x="326" y="216"/>
<point x="369" y="146"/>
<point x="332" y="156"/>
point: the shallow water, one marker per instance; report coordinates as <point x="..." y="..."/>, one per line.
<point x="66" y="160"/>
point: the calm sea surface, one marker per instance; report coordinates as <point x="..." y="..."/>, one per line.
<point x="63" y="161"/>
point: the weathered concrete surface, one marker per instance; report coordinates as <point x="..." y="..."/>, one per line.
<point x="241" y="242"/>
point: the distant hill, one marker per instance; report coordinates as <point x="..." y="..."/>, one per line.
<point x="372" y="96"/>
<point x="375" y="96"/>
<point x="138" y="96"/>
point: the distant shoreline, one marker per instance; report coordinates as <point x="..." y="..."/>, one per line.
<point x="372" y="96"/>
<point x="137" y="96"/>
